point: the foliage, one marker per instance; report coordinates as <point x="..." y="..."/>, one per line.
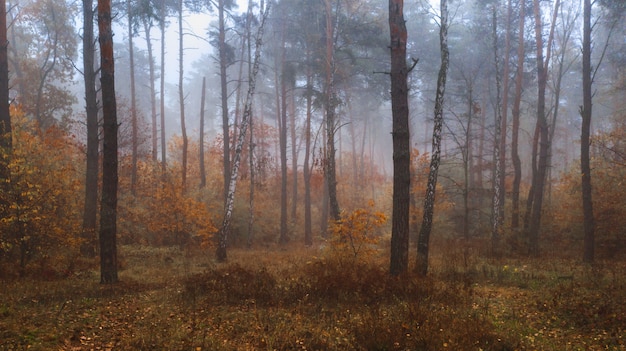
<point x="354" y="235"/>
<point x="42" y="208"/>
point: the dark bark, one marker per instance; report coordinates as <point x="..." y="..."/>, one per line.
<point x="88" y="235"/>
<point x="133" y="102"/>
<point x="515" y="112"/>
<point x="542" y="126"/>
<point x="153" y="111"/>
<point x="330" y="165"/>
<point x="282" y="131"/>
<point x="181" y="96"/>
<point x="223" y="61"/>
<point x="423" y="239"/>
<point x="201" y="141"/>
<point x="497" y="179"/>
<point x="401" y="140"/>
<point x="108" y="211"/>
<point x="308" y="230"/>
<point x="585" y="112"/>
<point x="6" y="144"/>
<point x="162" y="92"/>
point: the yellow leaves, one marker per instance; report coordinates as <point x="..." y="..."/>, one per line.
<point x="355" y="233"/>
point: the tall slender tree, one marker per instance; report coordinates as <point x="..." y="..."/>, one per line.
<point x="423" y="239"/>
<point x="133" y="100"/>
<point x="108" y="211"/>
<point x="585" y="112"/>
<point x="330" y="101"/>
<point x="222" y="238"/>
<point x="515" y="116"/>
<point x="88" y="247"/>
<point x="401" y="140"/>
<point x="181" y="94"/>
<point x="5" y="117"/>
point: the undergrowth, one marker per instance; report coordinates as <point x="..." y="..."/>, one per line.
<point x="303" y="299"/>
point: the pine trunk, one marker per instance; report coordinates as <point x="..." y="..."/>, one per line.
<point x="108" y="212"/>
<point x="585" y="167"/>
<point x="88" y="246"/>
<point x="401" y="140"/>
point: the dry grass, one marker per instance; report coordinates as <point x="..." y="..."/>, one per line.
<point x="296" y="299"/>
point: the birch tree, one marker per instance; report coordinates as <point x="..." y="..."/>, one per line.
<point x="224" y="232"/>
<point x="429" y="200"/>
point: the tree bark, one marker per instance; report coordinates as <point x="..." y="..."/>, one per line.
<point x="222" y="239"/>
<point x="542" y="125"/>
<point x="153" y="111"/>
<point x="6" y="144"/>
<point x="330" y="166"/>
<point x="133" y="102"/>
<point x="515" y="112"/>
<point x="181" y="96"/>
<point x="401" y="140"/>
<point x="282" y="130"/>
<point x="429" y="201"/>
<point x="201" y="141"/>
<point x="224" y="98"/>
<point x="108" y="212"/>
<point x="162" y="93"/>
<point x="88" y="235"/>
<point x="497" y="183"/>
<point x="585" y="112"/>
<point x="308" y="230"/>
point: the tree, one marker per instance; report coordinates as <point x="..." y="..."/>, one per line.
<point x="541" y="131"/>
<point x="88" y="247"/>
<point x="585" y="113"/>
<point x="108" y="211"/>
<point x="201" y="141"/>
<point x="515" y="116"/>
<point x="5" y="116"/>
<point x="401" y="140"/>
<point x="429" y="200"/>
<point x="222" y="239"/>
<point x="331" y="127"/>
<point x="497" y="212"/>
<point x="181" y="94"/>
<point x="133" y="98"/>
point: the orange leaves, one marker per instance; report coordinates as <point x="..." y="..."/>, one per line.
<point x="41" y="207"/>
<point x="355" y="234"/>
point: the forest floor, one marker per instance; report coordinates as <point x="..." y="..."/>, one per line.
<point x="306" y="299"/>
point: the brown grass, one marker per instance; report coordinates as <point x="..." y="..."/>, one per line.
<point x="291" y="298"/>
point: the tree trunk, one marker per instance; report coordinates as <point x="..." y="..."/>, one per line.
<point x="88" y="246"/>
<point x="222" y="241"/>
<point x="108" y="211"/>
<point x="429" y="201"/>
<point x="6" y="144"/>
<point x="133" y="101"/>
<point x="542" y="125"/>
<point x="181" y="96"/>
<point x="162" y="93"/>
<point x="330" y="166"/>
<point x="308" y="230"/>
<point x="153" y="111"/>
<point x="282" y="130"/>
<point x="401" y="140"/>
<point x="224" y="97"/>
<point x="201" y="141"/>
<point x="515" y="112"/>
<point x="585" y="112"/>
<point x="496" y="208"/>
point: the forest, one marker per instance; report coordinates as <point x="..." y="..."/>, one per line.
<point x="313" y="175"/>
